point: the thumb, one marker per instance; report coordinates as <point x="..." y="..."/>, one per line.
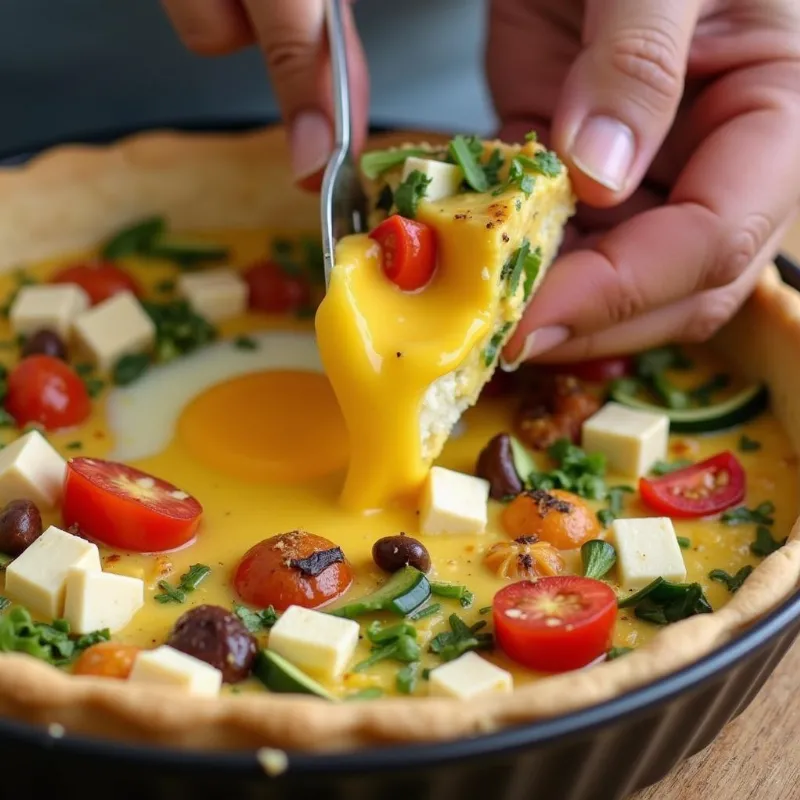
<point x="292" y="37"/>
<point x="622" y="93"/>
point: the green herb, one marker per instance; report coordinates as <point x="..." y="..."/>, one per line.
<point x="130" y="368"/>
<point x="684" y="542"/>
<point x="256" y="621"/>
<point x="605" y="517"/>
<point x="614" y="496"/>
<point x="74" y="445"/>
<point x="169" y="593"/>
<point x="545" y="162"/>
<point x="381" y="634"/>
<point x="760" y="515"/>
<point x="748" y="445"/>
<point x="379" y="161"/>
<point x="410" y="192"/>
<point x="83" y="369"/>
<point x="493" y="166"/>
<point x="764" y="544"/>
<point x="93" y="386"/>
<point x="385" y="199"/>
<point x="732" y="582"/>
<point x="662" y="602"/>
<point x="135" y="239"/>
<point x="4" y="603"/>
<point x="597" y="557"/>
<point x="245" y="343"/>
<point x="617" y="652"/>
<point x="575" y="471"/>
<point x="531" y="136"/>
<point x="406" y="678"/>
<point x="524" y="465"/>
<point x="92" y="638"/>
<point x="425" y="612"/>
<point x="460" y="638"/>
<point x="495" y="343"/>
<point x="660" y="359"/>
<point x="403" y="648"/>
<point x="665" y="467"/>
<point x="466" y="152"/>
<point x="513" y="268"/>
<point x="6" y="420"/>
<point x="532" y="265"/>
<point x="195" y="575"/>
<point x="485" y="610"/>
<point x="703" y="394"/>
<point x="165" y="286"/>
<point x="454" y="591"/>
<point x="178" y="329"/>
<point x="370" y="693"/>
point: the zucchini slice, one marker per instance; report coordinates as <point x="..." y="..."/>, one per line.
<point x="279" y="675"/>
<point x="186" y="251"/>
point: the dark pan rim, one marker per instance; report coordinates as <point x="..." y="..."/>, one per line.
<point x="377" y="759"/>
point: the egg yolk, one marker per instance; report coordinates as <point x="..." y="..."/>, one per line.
<point x="280" y="425"/>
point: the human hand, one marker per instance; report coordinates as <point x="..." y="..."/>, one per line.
<point x="679" y="121"/>
<point x="290" y="35"/>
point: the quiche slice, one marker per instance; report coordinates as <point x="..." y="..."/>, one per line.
<point x="408" y="349"/>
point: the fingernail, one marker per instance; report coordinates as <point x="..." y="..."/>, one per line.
<point x="604" y="150"/>
<point x="536" y="343"/>
<point x="311" y="142"/>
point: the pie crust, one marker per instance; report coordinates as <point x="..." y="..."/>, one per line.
<point x="73" y="196"/>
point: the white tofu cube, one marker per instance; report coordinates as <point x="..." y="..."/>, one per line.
<point x="647" y="549"/>
<point x="38" y="577"/>
<point x="445" y="178"/>
<point x="216" y="294"/>
<point x="453" y="502"/>
<point x="317" y="643"/>
<point x="114" y="328"/>
<point x="631" y="440"/>
<point x="170" y="667"/>
<point x="469" y="676"/>
<point x="31" y="469"/>
<point x="47" y="306"/>
<point x="97" y="600"/>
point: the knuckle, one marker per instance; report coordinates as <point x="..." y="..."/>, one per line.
<point x="712" y="312"/>
<point x="652" y="60"/>
<point x="739" y="248"/>
<point x="624" y="301"/>
<point x="287" y="56"/>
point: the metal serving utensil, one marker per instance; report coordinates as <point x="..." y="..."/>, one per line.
<point x="342" y="202"/>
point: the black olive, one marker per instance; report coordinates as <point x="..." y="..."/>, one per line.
<point x="216" y="636"/>
<point x="20" y="527"/>
<point x="496" y="465"/>
<point x="45" y="342"/>
<point x="393" y="553"/>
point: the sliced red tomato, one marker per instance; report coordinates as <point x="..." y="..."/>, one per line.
<point x="275" y="291"/>
<point x="409" y="251"/>
<point x="126" y="508"/>
<point x="99" y="279"/>
<point x="555" y="624"/>
<point x="45" y="390"/>
<point x="705" y="488"/>
<point x="596" y="370"/>
<point x="295" y="568"/>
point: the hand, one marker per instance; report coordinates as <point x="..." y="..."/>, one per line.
<point x="679" y="121"/>
<point x="290" y="34"/>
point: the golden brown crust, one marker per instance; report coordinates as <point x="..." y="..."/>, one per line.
<point x="74" y="196"/>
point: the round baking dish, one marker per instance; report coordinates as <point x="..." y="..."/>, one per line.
<point x="602" y="752"/>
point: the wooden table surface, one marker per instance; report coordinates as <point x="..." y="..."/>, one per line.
<point x="757" y="756"/>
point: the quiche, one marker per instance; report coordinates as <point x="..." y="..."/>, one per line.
<point x="189" y="556"/>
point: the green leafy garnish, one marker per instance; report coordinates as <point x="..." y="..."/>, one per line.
<point x="245" y="343"/>
<point x="524" y="465"/>
<point x="427" y="611"/>
<point x="402" y="648"/>
<point x="485" y="610"/>
<point x="684" y="542"/>
<point x="169" y="593"/>
<point x="732" y="582"/>
<point x="454" y="591"/>
<point x="491" y="350"/>
<point x="135" y="239"/>
<point x="466" y="152"/>
<point x="189" y="581"/>
<point x="178" y="329"/>
<point x="533" y="264"/>
<point x="93" y="386"/>
<point x="73" y="445"/>
<point x="513" y="268"/>
<point x="760" y="515"/>
<point x="517" y="178"/>
<point x="6" y="420"/>
<point x="764" y="544"/>
<point x="617" y="652"/>
<point x="130" y="368"/>
<point x="378" y="633"/>
<point x="597" y="557"/>
<point x="576" y="471"/>
<point x="406" y="678"/>
<point x="410" y="192"/>
<point x="165" y="286"/>
<point x="460" y="638"/>
<point x="662" y="602"/>
<point x="377" y="162"/>
<point x="614" y="496"/>
<point x="665" y="467"/>
<point x="256" y="621"/>
<point x="748" y="445"/>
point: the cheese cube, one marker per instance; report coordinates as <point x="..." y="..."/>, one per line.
<point x="319" y="644"/>
<point x="38" y="577"/>
<point x="453" y="502"/>
<point x="114" y="328"/>
<point x="97" y="600"/>
<point x="216" y="294"/>
<point x="47" y="306"/>
<point x="446" y="179"/>
<point x="170" y="667"/>
<point x="647" y="549"/>
<point x="31" y="469"/>
<point x="631" y="440"/>
<point x="469" y="676"/>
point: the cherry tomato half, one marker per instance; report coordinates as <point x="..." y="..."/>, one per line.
<point x="268" y="574"/>
<point x="705" y="488"/>
<point x="409" y="251"/>
<point x="274" y="291"/>
<point x="596" y="370"/>
<point x="99" y="279"/>
<point x="555" y="624"/>
<point x="107" y="660"/>
<point x="126" y="508"/>
<point x="45" y="390"/>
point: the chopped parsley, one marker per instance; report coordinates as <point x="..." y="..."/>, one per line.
<point x="377" y="162"/>
<point x="764" y="544"/>
<point x="256" y="621"/>
<point x="6" y="420"/>
<point x="732" y="582"/>
<point x="410" y="192"/>
<point x="460" y="638"/>
<point x="406" y="678"/>
<point x="495" y="343"/>
<point x="178" y="329"/>
<point x="245" y="343"/>
<point x="189" y="581"/>
<point x="665" y="467"/>
<point x="662" y="602"/>
<point x="684" y="542"/>
<point x="130" y="368"/>
<point x="760" y="515"/>
<point x="517" y="178"/>
<point x="396" y="642"/>
<point x="135" y="239"/>
<point x="748" y="445"/>
<point x="454" y="591"/>
<point x="169" y="593"/>
<point x="93" y="385"/>
<point x="575" y="470"/>
<point x="466" y="152"/>
<point x="597" y="557"/>
<point x="485" y="610"/>
<point x="614" y="497"/>
<point x="525" y="262"/>
<point x="74" y="445"/>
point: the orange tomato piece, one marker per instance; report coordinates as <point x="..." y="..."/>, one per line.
<point x="558" y="517"/>
<point x="107" y="660"/>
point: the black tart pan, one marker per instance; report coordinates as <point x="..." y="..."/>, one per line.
<point x="601" y="753"/>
